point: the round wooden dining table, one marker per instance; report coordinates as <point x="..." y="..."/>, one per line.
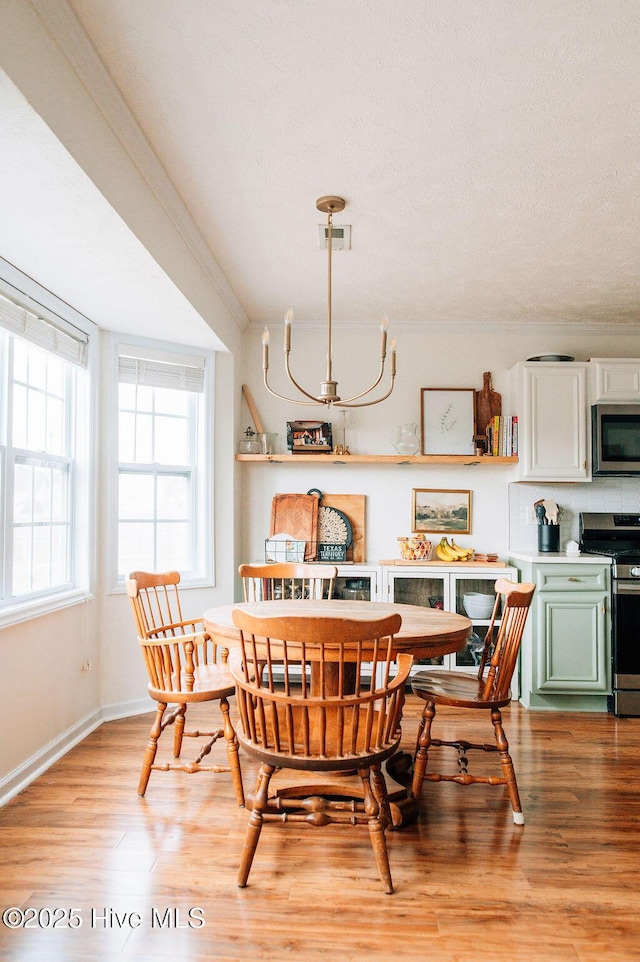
<point x="424" y="633"/>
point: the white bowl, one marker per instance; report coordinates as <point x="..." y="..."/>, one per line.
<point x="478" y="605"/>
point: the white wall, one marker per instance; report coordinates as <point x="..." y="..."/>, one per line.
<point x="45" y="695"/>
<point x="424" y="360"/>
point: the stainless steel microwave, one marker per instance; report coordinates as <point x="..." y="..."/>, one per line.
<point x="615" y="439"/>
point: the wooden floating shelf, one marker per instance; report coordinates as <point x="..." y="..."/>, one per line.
<point x="425" y="459"/>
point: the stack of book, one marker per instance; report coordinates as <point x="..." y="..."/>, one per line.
<point x="502" y="436"/>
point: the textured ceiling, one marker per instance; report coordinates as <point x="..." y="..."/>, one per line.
<point x="488" y="151"/>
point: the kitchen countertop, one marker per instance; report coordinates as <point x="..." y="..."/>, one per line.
<point x="437" y="563"/>
<point x="561" y="557"/>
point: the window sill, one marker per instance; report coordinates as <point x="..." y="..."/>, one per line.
<point x="25" y="611"/>
<point x="186" y="584"/>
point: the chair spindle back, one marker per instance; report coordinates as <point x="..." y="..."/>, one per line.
<point x="279" y="581"/>
<point x="313" y="699"/>
<point x="503" y="638"/>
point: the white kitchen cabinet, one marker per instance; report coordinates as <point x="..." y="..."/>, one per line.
<point x="550" y="399"/>
<point x="615" y="379"/>
<point x="440" y="586"/>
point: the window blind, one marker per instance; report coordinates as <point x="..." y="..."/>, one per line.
<point x="157" y="369"/>
<point x="65" y="344"/>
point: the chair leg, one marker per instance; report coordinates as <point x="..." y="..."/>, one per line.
<point x="260" y="801"/>
<point x="178" y="730"/>
<point x="377" y="822"/>
<point x="507" y="767"/>
<point x="422" y="748"/>
<point x="152" y="748"/>
<point x="232" y="752"/>
<point x="381" y="795"/>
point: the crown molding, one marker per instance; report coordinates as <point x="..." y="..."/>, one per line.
<point x="551" y="327"/>
<point x="69" y="34"/>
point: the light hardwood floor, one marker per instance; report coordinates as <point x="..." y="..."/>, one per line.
<point x="469" y="885"/>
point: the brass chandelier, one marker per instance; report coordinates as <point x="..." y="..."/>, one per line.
<point x="329" y="388"/>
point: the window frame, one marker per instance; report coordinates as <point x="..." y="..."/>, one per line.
<point x="79" y="415"/>
<point x="202" y="492"/>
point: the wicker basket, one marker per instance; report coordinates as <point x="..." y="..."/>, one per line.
<point x="414" y="549"/>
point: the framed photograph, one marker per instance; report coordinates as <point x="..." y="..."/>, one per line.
<point x="309" y="437"/>
<point x="447" y="420"/>
<point x="441" y="512"/>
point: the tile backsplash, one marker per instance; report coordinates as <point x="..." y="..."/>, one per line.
<point x="611" y="494"/>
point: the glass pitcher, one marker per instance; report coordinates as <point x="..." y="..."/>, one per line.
<point x="405" y="439"/>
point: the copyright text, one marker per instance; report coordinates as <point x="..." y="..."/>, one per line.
<point x="102" y="918"/>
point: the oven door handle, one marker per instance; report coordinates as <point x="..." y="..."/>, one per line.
<point x="626" y="587"/>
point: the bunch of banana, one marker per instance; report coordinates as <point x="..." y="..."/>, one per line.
<point x="450" y="551"/>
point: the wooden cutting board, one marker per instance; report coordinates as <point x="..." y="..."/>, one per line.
<point x="297" y="515"/>
<point x="488" y="403"/>
<point x="353" y="505"/>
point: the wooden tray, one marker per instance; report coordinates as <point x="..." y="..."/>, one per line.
<point x="297" y="515"/>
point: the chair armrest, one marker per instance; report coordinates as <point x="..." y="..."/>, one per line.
<point x="157" y="637"/>
<point x="175" y="626"/>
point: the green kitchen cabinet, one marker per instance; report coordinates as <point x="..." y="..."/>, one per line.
<point x="565" y="658"/>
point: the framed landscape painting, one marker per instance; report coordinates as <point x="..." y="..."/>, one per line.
<point x="441" y="512"/>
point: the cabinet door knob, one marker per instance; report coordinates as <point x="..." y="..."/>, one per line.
<point x="572" y="579"/>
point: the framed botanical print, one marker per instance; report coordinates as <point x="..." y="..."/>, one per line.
<point x="447" y="420"/>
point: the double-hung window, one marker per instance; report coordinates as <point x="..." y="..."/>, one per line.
<point x="164" y="461"/>
<point x="43" y="460"/>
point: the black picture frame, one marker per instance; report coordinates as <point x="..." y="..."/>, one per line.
<point x="309" y="437"/>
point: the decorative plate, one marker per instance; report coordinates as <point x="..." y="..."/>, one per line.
<point x="334" y="527"/>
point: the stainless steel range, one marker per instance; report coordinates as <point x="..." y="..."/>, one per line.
<point x="618" y="535"/>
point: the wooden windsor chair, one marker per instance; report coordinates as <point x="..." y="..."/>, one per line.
<point x="183" y="667"/>
<point x="487" y="691"/>
<point x="319" y="721"/>
<point x="282" y="580"/>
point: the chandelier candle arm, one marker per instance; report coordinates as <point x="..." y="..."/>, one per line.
<point x="366" y="404"/>
<point x="288" y="317"/>
<point x="329" y="388"/>
<point x="347" y="402"/>
<point x="266" y="337"/>
<point x="314" y="399"/>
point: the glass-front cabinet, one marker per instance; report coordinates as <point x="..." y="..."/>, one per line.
<point x="357" y="583"/>
<point x="466" y="589"/>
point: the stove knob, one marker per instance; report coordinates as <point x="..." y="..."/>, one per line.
<point x="635" y="572"/>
